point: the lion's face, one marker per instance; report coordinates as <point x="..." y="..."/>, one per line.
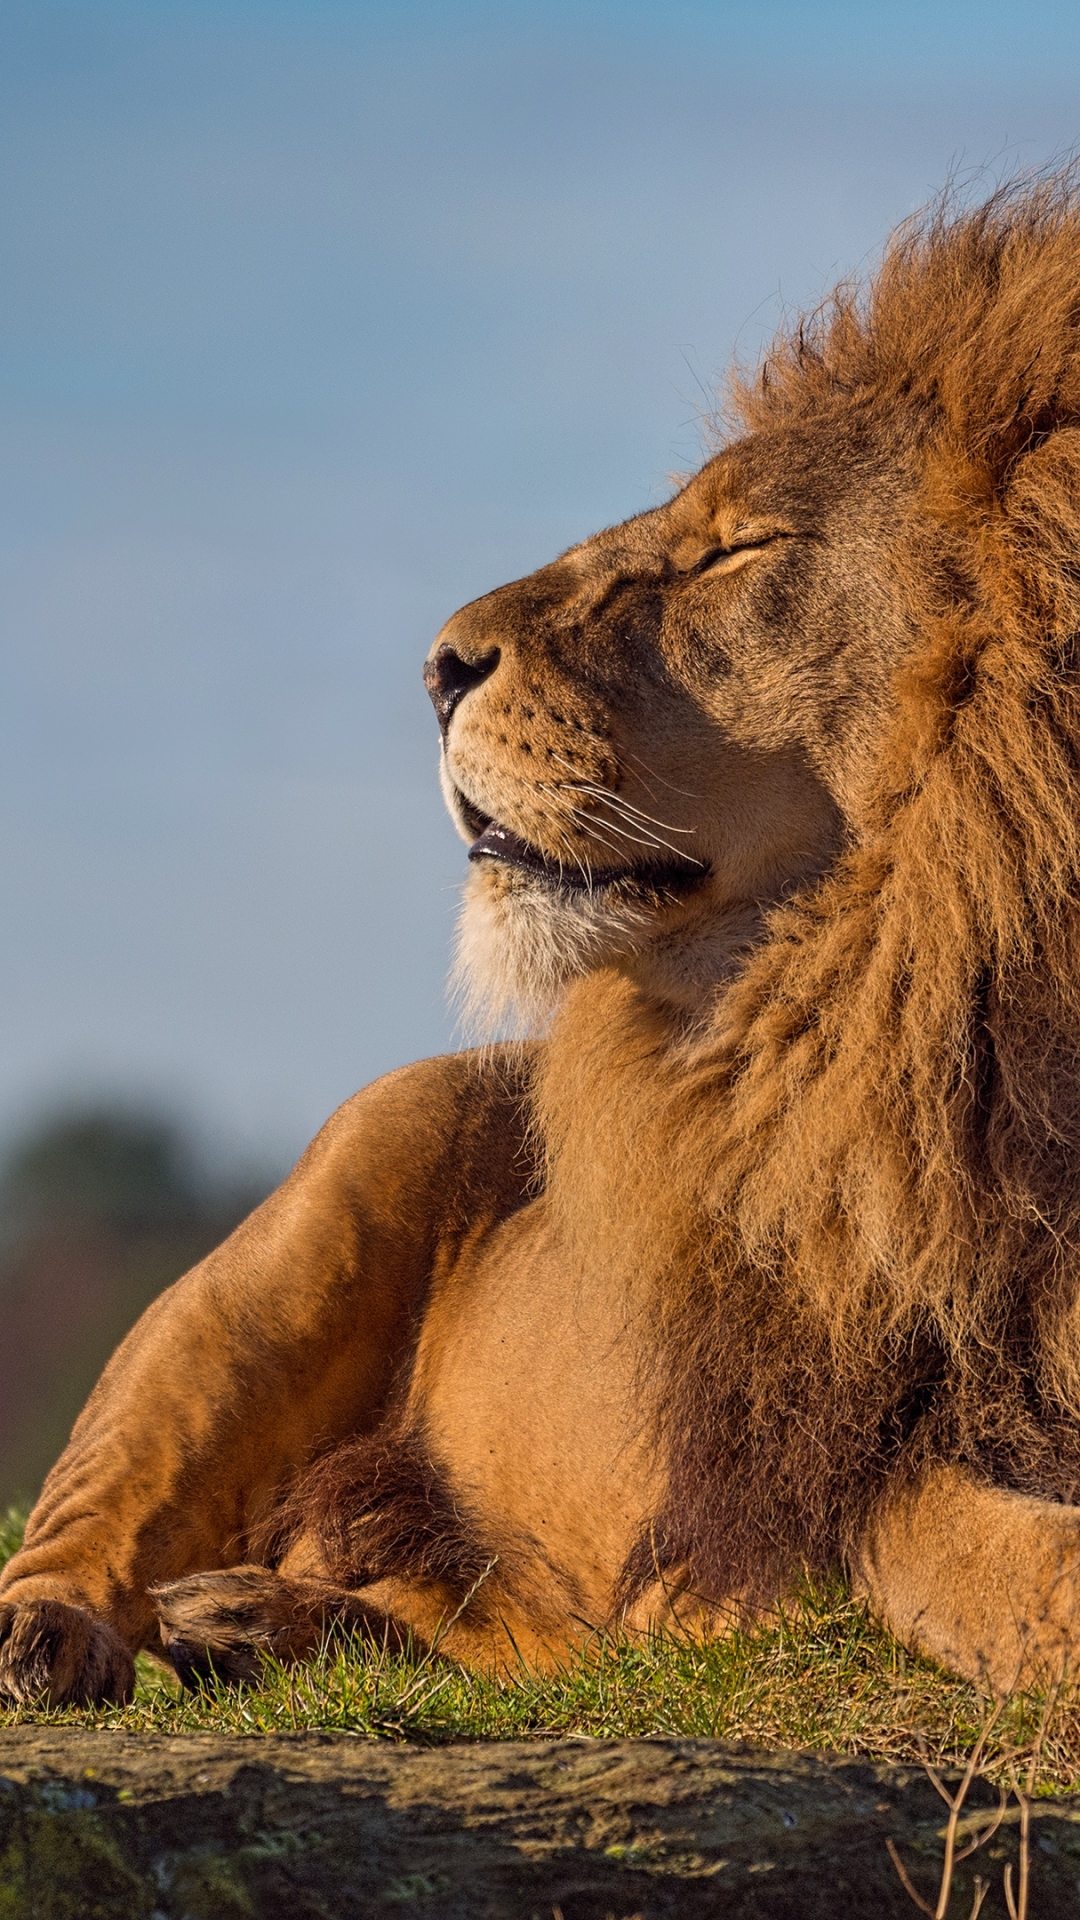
<point x="651" y="739"/>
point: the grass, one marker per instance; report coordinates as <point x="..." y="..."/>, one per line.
<point x="825" y="1677"/>
<point x="11" y="1532"/>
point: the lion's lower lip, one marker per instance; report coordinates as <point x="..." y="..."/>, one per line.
<point x="500" y="843"/>
<point x="497" y="842"/>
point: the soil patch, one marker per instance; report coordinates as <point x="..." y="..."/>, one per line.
<point x="115" y="1826"/>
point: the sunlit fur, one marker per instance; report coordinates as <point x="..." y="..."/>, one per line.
<point x="519" y="946"/>
<point x="873" y="1254"/>
<point x="767" y="1256"/>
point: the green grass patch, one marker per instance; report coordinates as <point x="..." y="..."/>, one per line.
<point x="11" y="1532"/>
<point x="824" y="1677"/>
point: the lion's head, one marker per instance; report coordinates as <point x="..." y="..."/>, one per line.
<point x="664" y="731"/>
<point x="798" y="755"/>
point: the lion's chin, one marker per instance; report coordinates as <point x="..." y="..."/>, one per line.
<point x="520" y="942"/>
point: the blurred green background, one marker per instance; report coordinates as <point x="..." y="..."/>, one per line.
<point x="100" y="1207"/>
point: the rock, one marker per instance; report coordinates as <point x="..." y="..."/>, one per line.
<point x="116" y="1826"/>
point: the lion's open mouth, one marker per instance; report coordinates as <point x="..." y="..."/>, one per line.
<point x="495" y="842"/>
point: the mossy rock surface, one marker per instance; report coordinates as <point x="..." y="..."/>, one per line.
<point x="115" y="1826"/>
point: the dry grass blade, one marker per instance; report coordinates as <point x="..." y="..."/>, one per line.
<point x="912" y="1892"/>
<point x="1018" y="1903"/>
<point x="987" y="1833"/>
<point x="1018" y="1907"/>
<point x="960" y="1796"/>
<point x="955" y="1803"/>
<point x="1025" y="1855"/>
<point x="445" y="1625"/>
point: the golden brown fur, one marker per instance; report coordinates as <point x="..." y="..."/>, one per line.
<point x="766" y="1256"/>
<point x="893" y="1169"/>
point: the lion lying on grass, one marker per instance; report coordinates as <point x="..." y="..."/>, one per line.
<point x="767" y="1256"/>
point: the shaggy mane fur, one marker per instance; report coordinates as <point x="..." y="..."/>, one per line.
<point x="380" y="1506"/>
<point x="875" y="1258"/>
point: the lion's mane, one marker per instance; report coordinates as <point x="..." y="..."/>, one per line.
<point x="876" y="1259"/>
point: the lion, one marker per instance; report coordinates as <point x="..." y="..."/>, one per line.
<point x="754" y="1252"/>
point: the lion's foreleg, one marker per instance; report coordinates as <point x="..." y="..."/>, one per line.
<point x="986" y="1581"/>
<point x="283" y="1343"/>
<point x="222" y="1625"/>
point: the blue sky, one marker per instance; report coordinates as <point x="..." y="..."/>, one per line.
<point x="316" y="321"/>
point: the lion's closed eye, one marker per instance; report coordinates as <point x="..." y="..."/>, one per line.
<point x="726" y="559"/>
<point x="727" y="556"/>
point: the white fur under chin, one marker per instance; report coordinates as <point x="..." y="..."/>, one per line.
<point x="519" y="943"/>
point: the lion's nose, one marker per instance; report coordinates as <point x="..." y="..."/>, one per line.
<point x="448" y="678"/>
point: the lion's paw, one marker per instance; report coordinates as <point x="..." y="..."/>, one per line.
<point x="220" y="1625"/>
<point x="55" y="1655"/>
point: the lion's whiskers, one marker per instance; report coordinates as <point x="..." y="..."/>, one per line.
<point x="631" y="831"/>
<point x="633" y="817"/>
<point x="641" y="835"/>
<point x="616" y="799"/>
<point x="582" y="863"/>
<point x="625" y="806"/>
<point x="579" y="813"/>
<point x="637" y="838"/>
<point x="599" y="830"/>
<point x="644" y="833"/>
<point x="653" y="775"/>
